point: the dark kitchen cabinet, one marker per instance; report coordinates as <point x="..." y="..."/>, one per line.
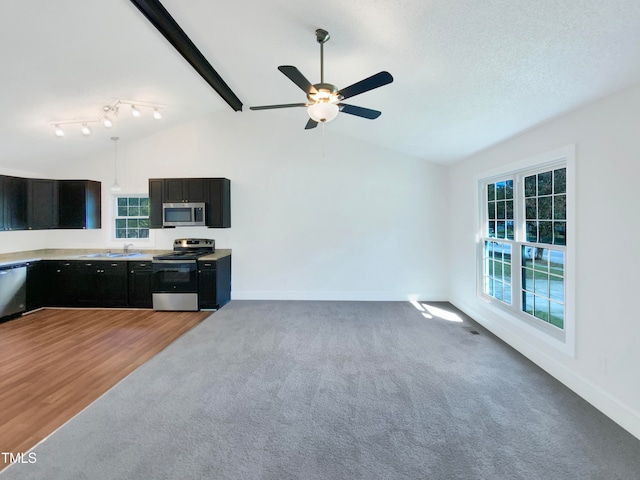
<point x="219" y="203"/>
<point x="156" y="198"/>
<point x="214" y="192"/>
<point x="15" y="203"/>
<point x="36" y="286"/>
<point x="182" y="190"/>
<point x="214" y="283"/>
<point x="101" y="284"/>
<point x="60" y="278"/>
<point x="42" y="204"/>
<point x="1" y="202"/>
<point x="79" y="204"/>
<point x="140" y="274"/>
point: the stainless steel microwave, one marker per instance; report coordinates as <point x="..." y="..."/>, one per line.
<point x="183" y="214"/>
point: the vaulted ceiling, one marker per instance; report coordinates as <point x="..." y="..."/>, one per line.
<point x="466" y="74"/>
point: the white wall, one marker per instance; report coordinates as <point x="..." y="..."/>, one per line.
<point x="313" y="217"/>
<point x="605" y="367"/>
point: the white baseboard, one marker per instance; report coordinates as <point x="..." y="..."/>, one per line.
<point x="621" y="413"/>
<point x="334" y="295"/>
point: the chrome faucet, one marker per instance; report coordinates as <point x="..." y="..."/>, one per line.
<point x="126" y="247"/>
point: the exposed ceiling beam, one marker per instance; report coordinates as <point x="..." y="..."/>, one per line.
<point x="164" y="22"/>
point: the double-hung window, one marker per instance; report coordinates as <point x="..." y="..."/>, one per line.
<point x="525" y="243"/>
<point x="131" y="219"/>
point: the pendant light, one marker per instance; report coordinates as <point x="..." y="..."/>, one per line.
<point x="115" y="187"/>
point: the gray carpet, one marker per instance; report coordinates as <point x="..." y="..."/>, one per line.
<point x="336" y="390"/>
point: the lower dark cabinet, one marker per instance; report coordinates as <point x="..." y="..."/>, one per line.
<point x="59" y="276"/>
<point x="140" y="274"/>
<point x="36" y="286"/>
<point x="214" y="283"/>
<point x="101" y="284"/>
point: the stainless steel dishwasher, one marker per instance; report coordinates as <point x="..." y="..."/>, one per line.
<point x="13" y="289"/>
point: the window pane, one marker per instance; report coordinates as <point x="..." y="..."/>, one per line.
<point x="556" y="288"/>
<point x="121" y="223"/>
<point x="497" y="286"/>
<point x="527" y="256"/>
<point x="545" y="232"/>
<point x="544" y="208"/>
<point x="507" y="294"/>
<point x="541" y="259"/>
<point x="134" y="201"/>
<point x="559" y="231"/>
<point x="541" y="283"/>
<point x="121" y="233"/>
<point x="132" y="223"/>
<point x="144" y="202"/>
<point x="532" y="231"/>
<point x="556" y="314"/>
<point x="491" y="227"/>
<point x="509" y="209"/>
<point x="122" y="211"/>
<point x="500" y="191"/>
<point x="122" y="202"/>
<point x="527" y="303"/>
<point x="491" y="192"/>
<point x="134" y="211"/>
<point x="497" y="269"/>
<point x="556" y="262"/>
<point x="541" y="308"/>
<point x="501" y="210"/>
<point x="544" y="183"/>
<point x="501" y="231"/>
<point x="143" y="223"/>
<point x="491" y="210"/>
<point x="530" y="186"/>
<point x="510" y="230"/>
<point x="560" y="180"/>
<point x="144" y="233"/>
<point x="560" y="207"/>
<point x="132" y="233"/>
<point x="527" y="279"/>
<point x="531" y="209"/>
<point x="144" y="211"/>
<point x="508" y="189"/>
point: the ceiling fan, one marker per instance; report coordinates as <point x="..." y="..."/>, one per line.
<point x="324" y="98"/>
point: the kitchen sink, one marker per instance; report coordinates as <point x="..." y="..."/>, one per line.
<point x="110" y="255"/>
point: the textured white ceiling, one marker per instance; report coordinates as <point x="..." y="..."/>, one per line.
<point x="467" y="74"/>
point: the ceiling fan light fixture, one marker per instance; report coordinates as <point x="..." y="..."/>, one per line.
<point x="323" y="112"/>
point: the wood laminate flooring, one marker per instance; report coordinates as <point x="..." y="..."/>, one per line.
<point x="55" y="362"/>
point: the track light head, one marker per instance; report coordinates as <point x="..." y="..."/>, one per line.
<point x="134" y="111"/>
<point x="85" y="129"/>
<point x="106" y="121"/>
<point x="58" y="131"/>
<point x="156" y="114"/>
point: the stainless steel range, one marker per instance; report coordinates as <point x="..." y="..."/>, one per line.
<point x="175" y="275"/>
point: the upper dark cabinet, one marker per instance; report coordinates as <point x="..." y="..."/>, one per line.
<point x="182" y="190"/>
<point x="214" y="192"/>
<point x="14" y="203"/>
<point x="79" y="204"/>
<point x="42" y="204"/>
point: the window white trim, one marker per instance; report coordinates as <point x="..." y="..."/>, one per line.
<point x="563" y="340"/>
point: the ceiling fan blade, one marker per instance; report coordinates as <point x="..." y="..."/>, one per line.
<point x="359" y="111"/>
<point x="284" y="105"/>
<point x="374" y="81"/>
<point x="311" y="124"/>
<point x="298" y="78"/>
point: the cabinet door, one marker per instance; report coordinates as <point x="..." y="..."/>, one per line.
<point x="219" y="203"/>
<point x="35" y="286"/>
<point x="140" y="284"/>
<point x="207" y="285"/>
<point x="60" y="277"/>
<point x="79" y="204"/>
<point x="87" y="280"/>
<point x="156" y="189"/>
<point x="113" y="284"/>
<point x="15" y="203"/>
<point x="181" y="190"/>
<point x="42" y="204"/>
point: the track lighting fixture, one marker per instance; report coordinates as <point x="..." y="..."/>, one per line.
<point x="109" y="113"/>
